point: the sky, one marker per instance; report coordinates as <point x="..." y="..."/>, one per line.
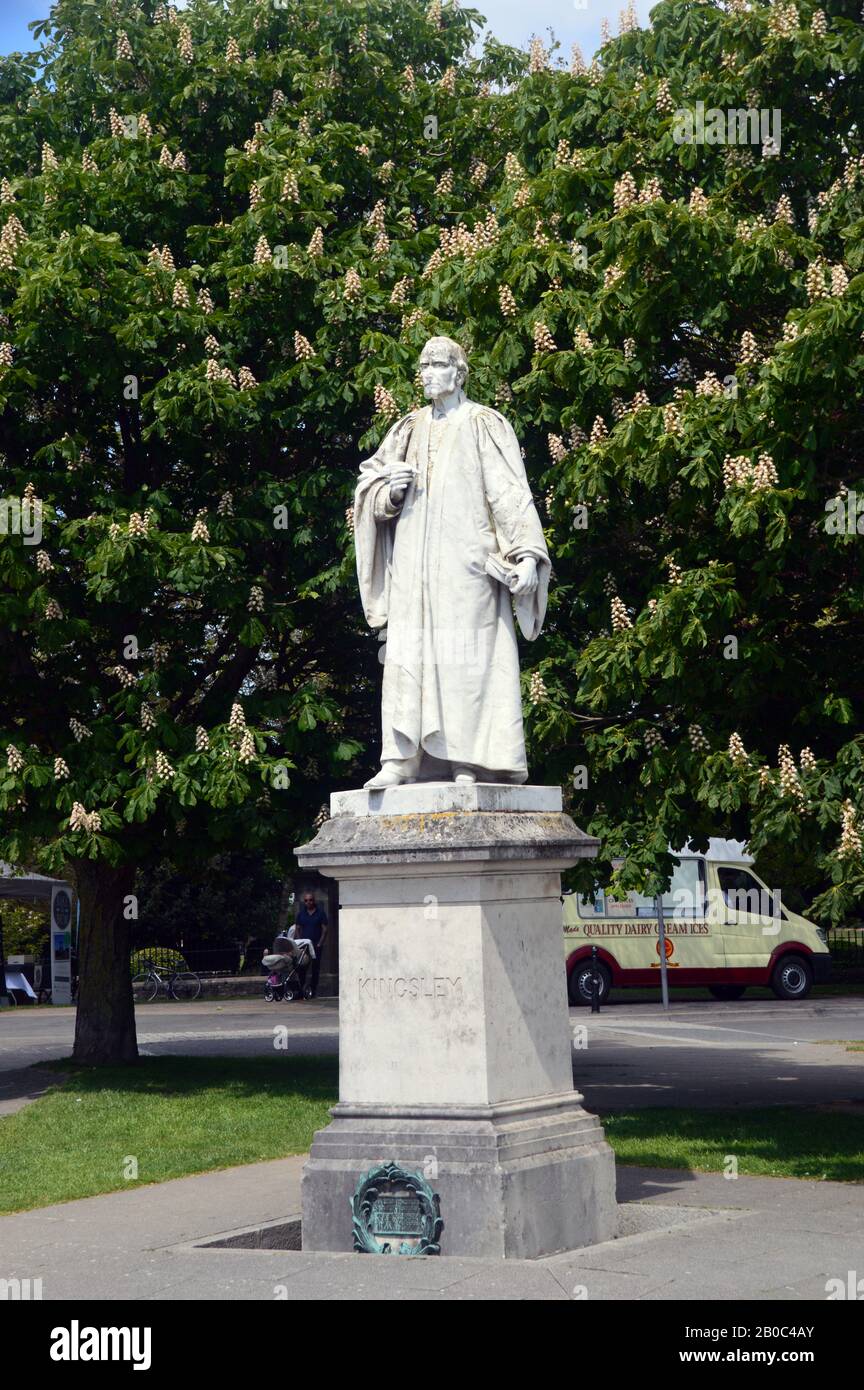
<point x="513" y="21"/>
<point x="573" y="21"/>
<point x="14" y="18"/>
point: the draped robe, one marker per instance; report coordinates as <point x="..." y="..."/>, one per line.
<point x="451" y="667"/>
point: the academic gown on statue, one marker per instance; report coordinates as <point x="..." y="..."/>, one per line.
<point x="451" y="666"/>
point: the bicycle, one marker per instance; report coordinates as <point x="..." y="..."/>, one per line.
<point x="182" y="985"/>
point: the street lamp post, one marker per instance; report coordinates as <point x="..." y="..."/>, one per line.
<point x="661" y="942"/>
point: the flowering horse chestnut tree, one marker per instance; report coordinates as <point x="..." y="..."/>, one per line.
<point x="672" y="311"/>
<point x="210" y="223"/>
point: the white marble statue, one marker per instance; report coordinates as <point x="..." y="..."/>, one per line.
<point x="448" y="541"/>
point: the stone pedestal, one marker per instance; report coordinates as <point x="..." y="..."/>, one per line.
<point x="455" y="1051"/>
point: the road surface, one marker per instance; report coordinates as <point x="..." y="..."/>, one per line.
<point x="703" y="1053"/>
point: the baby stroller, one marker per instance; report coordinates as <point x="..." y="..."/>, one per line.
<point x="284" y="964"/>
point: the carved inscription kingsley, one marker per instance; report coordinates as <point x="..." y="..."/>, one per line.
<point x="409" y="987"/>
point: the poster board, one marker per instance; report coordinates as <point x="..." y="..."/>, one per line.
<point x="61" y="944"/>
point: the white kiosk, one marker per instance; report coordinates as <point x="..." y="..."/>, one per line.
<point x="18" y="884"/>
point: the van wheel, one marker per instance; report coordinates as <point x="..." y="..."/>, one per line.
<point x="792" y="978"/>
<point x="580" y="985"/>
<point x="726" y="991"/>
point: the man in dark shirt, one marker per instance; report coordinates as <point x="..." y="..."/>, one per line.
<point x="312" y="924"/>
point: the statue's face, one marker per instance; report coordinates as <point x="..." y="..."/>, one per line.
<point x="440" y="376"/>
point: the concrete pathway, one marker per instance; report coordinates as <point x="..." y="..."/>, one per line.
<point x="21" y="1085"/>
<point x="683" y="1236"/>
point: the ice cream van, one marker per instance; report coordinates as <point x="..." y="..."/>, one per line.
<point x="724" y="928"/>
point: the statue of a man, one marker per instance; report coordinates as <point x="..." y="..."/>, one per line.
<point x="447" y="539"/>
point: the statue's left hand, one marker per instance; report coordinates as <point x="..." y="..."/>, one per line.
<point x="526" y="582"/>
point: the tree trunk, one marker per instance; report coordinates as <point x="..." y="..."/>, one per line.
<point x="105" y="1022"/>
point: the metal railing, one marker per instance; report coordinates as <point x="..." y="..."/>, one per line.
<point x="230" y="959"/>
<point x="846" y="945"/>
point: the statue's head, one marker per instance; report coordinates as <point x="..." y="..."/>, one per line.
<point x="443" y="367"/>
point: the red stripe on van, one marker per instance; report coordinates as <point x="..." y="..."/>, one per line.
<point x="710" y="975"/>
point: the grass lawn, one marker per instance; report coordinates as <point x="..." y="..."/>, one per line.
<point x="181" y="1115"/>
<point x="777" y="1142"/>
<point x="175" y="1115"/>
